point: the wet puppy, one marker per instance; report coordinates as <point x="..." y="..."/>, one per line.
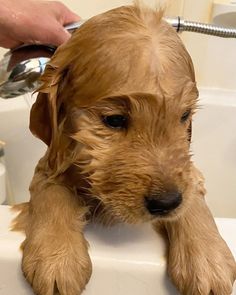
<point x="115" y="110"/>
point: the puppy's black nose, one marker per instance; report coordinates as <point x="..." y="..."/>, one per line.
<point x="163" y="203"/>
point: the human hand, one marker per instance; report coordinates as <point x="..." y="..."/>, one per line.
<point x="34" y="21"/>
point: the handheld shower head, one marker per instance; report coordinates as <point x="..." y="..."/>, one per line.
<point x="21" y="68"/>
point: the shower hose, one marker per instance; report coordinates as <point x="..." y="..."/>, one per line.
<point x="182" y="25"/>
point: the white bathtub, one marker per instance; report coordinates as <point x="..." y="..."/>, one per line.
<point x="126" y="260"/>
<point x="214" y="148"/>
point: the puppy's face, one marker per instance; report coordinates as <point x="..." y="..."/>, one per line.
<point x="124" y="120"/>
<point x="135" y="152"/>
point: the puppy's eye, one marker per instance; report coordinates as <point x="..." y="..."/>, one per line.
<point x="185" y="116"/>
<point x="116" y="121"/>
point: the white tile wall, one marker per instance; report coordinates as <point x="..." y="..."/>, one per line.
<point x="213" y="57"/>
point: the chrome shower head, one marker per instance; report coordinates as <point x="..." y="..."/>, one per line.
<point x="21" y="67"/>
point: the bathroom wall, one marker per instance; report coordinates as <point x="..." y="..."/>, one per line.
<point x="213" y="57"/>
<point x="92" y="7"/>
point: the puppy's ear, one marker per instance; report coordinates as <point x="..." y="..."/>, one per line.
<point x="45" y="113"/>
<point x="40" y="121"/>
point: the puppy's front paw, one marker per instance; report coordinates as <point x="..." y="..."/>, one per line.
<point x="203" y="269"/>
<point x="56" y="265"/>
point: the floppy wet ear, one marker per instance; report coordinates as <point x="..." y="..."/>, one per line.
<point x="40" y="124"/>
<point x="43" y="115"/>
<point x="44" y="112"/>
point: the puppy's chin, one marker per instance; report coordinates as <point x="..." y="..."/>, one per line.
<point x="145" y="216"/>
<point x="170" y="216"/>
<point x="174" y="214"/>
<point x="123" y="216"/>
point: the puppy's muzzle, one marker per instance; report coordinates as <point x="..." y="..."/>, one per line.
<point x="163" y="203"/>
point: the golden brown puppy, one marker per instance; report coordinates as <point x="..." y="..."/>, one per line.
<point x="115" y="110"/>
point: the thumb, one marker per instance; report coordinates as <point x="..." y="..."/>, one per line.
<point x="60" y="36"/>
<point x="70" y="17"/>
<point x="63" y="14"/>
<point x="66" y="17"/>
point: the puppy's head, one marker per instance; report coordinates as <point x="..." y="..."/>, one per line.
<point x="115" y="110"/>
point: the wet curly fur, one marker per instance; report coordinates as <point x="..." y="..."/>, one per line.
<point x="128" y="68"/>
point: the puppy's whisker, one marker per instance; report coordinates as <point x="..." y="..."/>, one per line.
<point x="96" y="213"/>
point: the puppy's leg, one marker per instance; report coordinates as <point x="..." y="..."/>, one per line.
<point x="55" y="256"/>
<point x="199" y="261"/>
